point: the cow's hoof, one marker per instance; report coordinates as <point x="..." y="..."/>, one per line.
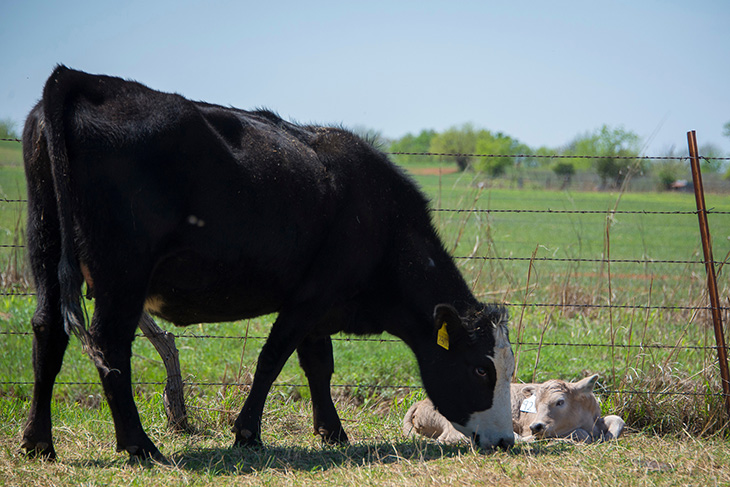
<point x="337" y="437"/>
<point x="137" y="453"/>
<point x="142" y="454"/>
<point x="41" y="449"/>
<point x="246" y="439"/>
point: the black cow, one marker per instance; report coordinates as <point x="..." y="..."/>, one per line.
<point x="200" y="213"/>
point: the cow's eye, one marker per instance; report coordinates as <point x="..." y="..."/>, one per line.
<point x="560" y="402"/>
<point x="480" y="371"/>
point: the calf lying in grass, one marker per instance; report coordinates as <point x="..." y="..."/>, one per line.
<point x="553" y="409"/>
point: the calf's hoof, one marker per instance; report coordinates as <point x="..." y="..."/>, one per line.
<point x="40" y="449"/>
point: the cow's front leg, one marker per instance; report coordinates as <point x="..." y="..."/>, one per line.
<point x="113" y="337"/>
<point x="315" y="358"/>
<point x="286" y="334"/>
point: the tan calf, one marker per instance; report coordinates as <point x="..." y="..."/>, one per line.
<point x="553" y="409"/>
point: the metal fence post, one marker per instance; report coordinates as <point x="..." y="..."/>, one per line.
<point x="709" y="267"/>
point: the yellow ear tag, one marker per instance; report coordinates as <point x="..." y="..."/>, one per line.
<point x="443" y="337"/>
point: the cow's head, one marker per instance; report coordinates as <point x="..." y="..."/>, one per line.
<point x="468" y="373"/>
<point x="560" y="408"/>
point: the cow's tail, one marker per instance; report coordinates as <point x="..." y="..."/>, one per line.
<point x="62" y="84"/>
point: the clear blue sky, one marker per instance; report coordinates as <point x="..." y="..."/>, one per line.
<point x="539" y="71"/>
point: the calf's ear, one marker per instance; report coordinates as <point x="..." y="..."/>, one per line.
<point x="586" y="385"/>
<point x="528" y="391"/>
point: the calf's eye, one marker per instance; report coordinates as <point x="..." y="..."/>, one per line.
<point x="560" y="402"/>
<point x="480" y="371"/>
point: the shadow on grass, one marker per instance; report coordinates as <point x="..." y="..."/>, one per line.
<point x="307" y="459"/>
<point x="232" y="461"/>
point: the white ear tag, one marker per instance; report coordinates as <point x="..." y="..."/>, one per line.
<point x="528" y="405"/>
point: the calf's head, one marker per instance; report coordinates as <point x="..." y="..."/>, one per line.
<point x="467" y="374"/>
<point x="560" y="408"/>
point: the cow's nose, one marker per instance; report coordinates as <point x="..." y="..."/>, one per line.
<point x="506" y="443"/>
<point x="503" y="443"/>
<point x="537" y="428"/>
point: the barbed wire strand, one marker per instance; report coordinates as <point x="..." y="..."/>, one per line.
<point x="537" y="259"/>
<point x="709" y="211"/>
<point x="351" y="386"/>
<point x="520" y="156"/>
<point x="547" y="305"/>
<point x="639" y="346"/>
<point x="554" y="156"/>
<point x="536" y="156"/>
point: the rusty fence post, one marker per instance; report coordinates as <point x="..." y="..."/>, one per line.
<point x="709" y="267"/>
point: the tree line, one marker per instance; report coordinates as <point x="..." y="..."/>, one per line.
<point x="613" y="154"/>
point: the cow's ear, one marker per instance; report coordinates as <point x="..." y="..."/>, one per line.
<point x="447" y="323"/>
<point x="586" y="385"/>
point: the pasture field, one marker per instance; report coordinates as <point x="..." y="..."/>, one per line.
<point x="574" y="313"/>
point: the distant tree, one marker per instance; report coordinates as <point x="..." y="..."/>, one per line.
<point x="671" y="169"/>
<point x="496" y="145"/>
<point x="711" y="157"/>
<point x="413" y="143"/>
<point x="668" y="172"/>
<point x="459" y="141"/>
<point x="565" y="170"/>
<point x="726" y="133"/>
<point x="544" y="159"/>
<point x="7" y="129"/>
<point x="615" y="152"/>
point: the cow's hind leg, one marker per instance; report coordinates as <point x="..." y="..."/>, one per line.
<point x="49" y="337"/>
<point x="49" y="344"/>
<point x="315" y="357"/>
<point x="112" y="332"/>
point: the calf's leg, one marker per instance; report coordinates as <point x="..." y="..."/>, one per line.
<point x="315" y="358"/>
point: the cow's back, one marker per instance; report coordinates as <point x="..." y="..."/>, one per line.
<point x="232" y="213"/>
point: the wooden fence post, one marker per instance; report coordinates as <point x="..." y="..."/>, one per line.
<point x="709" y="267"/>
<point x="173" y="397"/>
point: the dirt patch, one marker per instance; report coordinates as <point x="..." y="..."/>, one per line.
<point x="422" y="171"/>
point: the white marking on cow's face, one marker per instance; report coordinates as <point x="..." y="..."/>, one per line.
<point x="493" y="427"/>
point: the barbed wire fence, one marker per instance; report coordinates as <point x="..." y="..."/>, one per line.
<point x="531" y="261"/>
